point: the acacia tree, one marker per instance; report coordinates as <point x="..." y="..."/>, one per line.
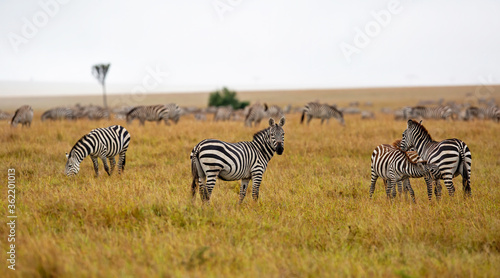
<point x="100" y="71"/>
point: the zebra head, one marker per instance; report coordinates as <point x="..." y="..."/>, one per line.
<point x="72" y="166"/>
<point x="430" y="170"/>
<point x="407" y="142"/>
<point x="277" y="135"/>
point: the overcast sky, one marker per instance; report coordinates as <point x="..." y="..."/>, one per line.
<point x="246" y="44"/>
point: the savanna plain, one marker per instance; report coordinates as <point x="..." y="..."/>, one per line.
<point x="314" y="217"/>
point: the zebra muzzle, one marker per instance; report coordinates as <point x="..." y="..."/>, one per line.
<point x="279" y="149"/>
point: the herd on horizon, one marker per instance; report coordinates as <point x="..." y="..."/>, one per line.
<point x="415" y="155"/>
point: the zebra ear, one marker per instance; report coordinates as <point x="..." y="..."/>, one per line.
<point x="67" y="155"/>
<point x="282" y="121"/>
<point x="420" y="122"/>
<point x="271" y="122"/>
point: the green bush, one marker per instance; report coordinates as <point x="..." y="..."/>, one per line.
<point x="226" y="97"/>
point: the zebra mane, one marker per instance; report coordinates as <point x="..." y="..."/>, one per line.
<point x="133" y="109"/>
<point x="76" y="144"/>
<point x="421" y="127"/>
<point x="396" y="143"/>
<point x="15" y="115"/>
<point x="258" y="133"/>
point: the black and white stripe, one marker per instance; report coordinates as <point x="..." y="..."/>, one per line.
<point x="245" y="161"/>
<point x="422" y="112"/>
<point x="174" y="112"/>
<point x="100" y="143"/>
<point x="23" y="116"/>
<point x="321" y="111"/>
<point x="59" y="113"/>
<point x="487" y="113"/>
<point x="395" y="167"/>
<point x="152" y="113"/>
<point x="452" y="156"/>
<point x="256" y="113"/>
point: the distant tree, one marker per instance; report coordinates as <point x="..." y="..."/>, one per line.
<point x="100" y="71"/>
<point x="226" y="97"/>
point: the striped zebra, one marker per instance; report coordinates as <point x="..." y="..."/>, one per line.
<point x="23" y="116"/>
<point x="452" y="156"/>
<point x="491" y="113"/>
<point x="321" y="111"/>
<point x="395" y="167"/>
<point x="174" y="112"/>
<point x="59" y="113"/>
<point x="152" y="113"/>
<point x="223" y="113"/>
<point x="100" y="143"/>
<point x="245" y="161"/>
<point x="422" y="112"/>
<point x="275" y="112"/>
<point x="95" y="112"/>
<point x="256" y="113"/>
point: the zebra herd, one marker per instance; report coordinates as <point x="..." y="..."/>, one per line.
<point x="446" y="112"/>
<point x="432" y="160"/>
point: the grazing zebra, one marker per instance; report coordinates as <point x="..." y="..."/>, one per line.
<point x="245" y="161"/>
<point x="96" y="112"/>
<point x="99" y="143"/>
<point x="223" y="113"/>
<point x="275" y="112"/>
<point x="322" y="111"/>
<point x="23" y="116"/>
<point x="59" y="113"/>
<point x="395" y="166"/>
<point x="452" y="156"/>
<point x="491" y="112"/>
<point x="174" y="112"/>
<point x="422" y="112"/>
<point x="5" y="115"/>
<point x="152" y="113"/>
<point x="256" y="113"/>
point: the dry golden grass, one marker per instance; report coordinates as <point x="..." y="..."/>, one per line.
<point x="314" y="217"/>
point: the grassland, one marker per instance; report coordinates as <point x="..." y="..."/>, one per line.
<point x="314" y="217"/>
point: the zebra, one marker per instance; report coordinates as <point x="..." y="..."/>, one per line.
<point x="94" y="112"/>
<point x="491" y="112"/>
<point x="5" y="115"/>
<point x="245" y="161"/>
<point x="256" y="113"/>
<point x="395" y="166"/>
<point x="439" y="112"/>
<point x="322" y="111"/>
<point x="452" y="156"/>
<point x="23" y="116"/>
<point x="275" y="112"/>
<point x="59" y="113"/>
<point x="100" y="143"/>
<point x="223" y="113"/>
<point x="148" y="113"/>
<point x="174" y="112"/>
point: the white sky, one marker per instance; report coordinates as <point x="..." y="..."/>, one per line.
<point x="257" y="44"/>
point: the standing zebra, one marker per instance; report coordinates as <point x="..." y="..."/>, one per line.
<point x="275" y="112"/>
<point x="422" y="112"/>
<point x="150" y="113"/>
<point x="174" y="112"/>
<point x="256" y="113"/>
<point x="59" y="113"/>
<point x="322" y="111"/>
<point x="223" y="113"/>
<point x="245" y="161"/>
<point x="452" y="156"/>
<point x="99" y="143"/>
<point x="23" y="116"/>
<point x="395" y="166"/>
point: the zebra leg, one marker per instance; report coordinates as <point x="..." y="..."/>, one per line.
<point x="309" y="118"/>
<point x="211" y="180"/>
<point x="96" y="165"/>
<point x="407" y="187"/>
<point x="256" y="180"/>
<point x="322" y="120"/>
<point x="105" y="163"/>
<point x="389" y="188"/>
<point x="373" y="182"/>
<point x="437" y="189"/>
<point x="121" y="162"/>
<point x="112" y="164"/>
<point x="448" y="182"/>
<point x="243" y="189"/>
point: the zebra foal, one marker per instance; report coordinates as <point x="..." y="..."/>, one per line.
<point x="245" y="161"/>
<point x="100" y="143"/>
<point x="395" y="166"/>
<point x="23" y="116"/>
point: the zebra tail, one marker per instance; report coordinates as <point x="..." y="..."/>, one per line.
<point x="465" y="172"/>
<point x="194" y="171"/>
<point x="303" y="116"/>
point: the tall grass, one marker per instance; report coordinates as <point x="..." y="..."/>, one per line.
<point x="313" y="218"/>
